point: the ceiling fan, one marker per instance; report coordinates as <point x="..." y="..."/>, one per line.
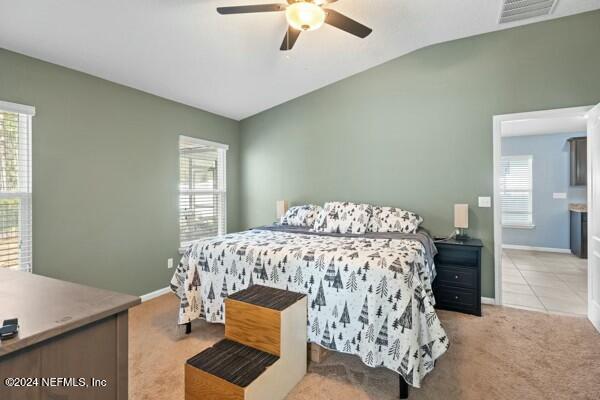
<point x="303" y="15"/>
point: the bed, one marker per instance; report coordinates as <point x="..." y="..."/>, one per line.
<point x="369" y="294"/>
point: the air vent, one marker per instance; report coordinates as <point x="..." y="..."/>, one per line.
<point x="517" y="10"/>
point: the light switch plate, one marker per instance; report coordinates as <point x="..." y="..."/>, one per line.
<point x="485" y="201"/>
<point x="169" y="263"/>
<point x="559" y="195"/>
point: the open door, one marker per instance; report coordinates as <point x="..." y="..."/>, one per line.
<point x="593" y="156"/>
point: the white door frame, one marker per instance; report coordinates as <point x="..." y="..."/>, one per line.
<point x="497" y="152"/>
<point x="593" y="303"/>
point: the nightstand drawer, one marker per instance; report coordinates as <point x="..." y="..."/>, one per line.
<point x="456" y="298"/>
<point x="457" y="255"/>
<point x="452" y="275"/>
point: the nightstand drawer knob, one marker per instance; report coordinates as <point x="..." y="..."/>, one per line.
<point x="455" y="276"/>
<point x="455" y="297"/>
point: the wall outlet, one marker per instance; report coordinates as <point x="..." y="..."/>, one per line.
<point x="485" y="201"/>
<point x="559" y="195"/>
<point x="169" y="263"/>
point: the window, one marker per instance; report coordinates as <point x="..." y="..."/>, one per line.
<point x="202" y="189"/>
<point x="15" y="186"/>
<point x="516" y="191"/>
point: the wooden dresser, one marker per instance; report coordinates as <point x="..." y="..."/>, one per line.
<point x="66" y="331"/>
<point x="457" y="286"/>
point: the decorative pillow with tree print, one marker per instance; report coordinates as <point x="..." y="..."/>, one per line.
<point x="301" y="215"/>
<point x="392" y="219"/>
<point x="343" y="217"/>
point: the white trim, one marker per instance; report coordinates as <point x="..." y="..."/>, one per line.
<point x="26" y="223"/>
<point x="593" y="311"/>
<point x="497" y="169"/>
<point x="593" y="303"/>
<point x="17" y="108"/>
<point x="497" y="154"/>
<point x="534" y="248"/>
<point x="156" y="293"/>
<point x="488" y="300"/>
<point x="527" y="226"/>
<point x="556" y="113"/>
<point x="223" y="177"/>
<point x="205" y="142"/>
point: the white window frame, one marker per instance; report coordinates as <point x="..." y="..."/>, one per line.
<point x="25" y="176"/>
<point x="530" y="225"/>
<point x="222" y="184"/>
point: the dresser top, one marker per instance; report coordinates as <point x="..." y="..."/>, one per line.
<point x="471" y="242"/>
<point x="49" y="307"/>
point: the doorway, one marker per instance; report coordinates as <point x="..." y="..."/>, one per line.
<point x="538" y="200"/>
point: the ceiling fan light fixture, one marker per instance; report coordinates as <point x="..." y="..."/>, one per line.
<point x="305" y="16"/>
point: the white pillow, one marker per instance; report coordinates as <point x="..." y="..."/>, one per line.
<point x="392" y="219"/>
<point x="304" y="215"/>
<point x="343" y="217"/>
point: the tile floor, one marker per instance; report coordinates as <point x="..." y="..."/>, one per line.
<point x="542" y="281"/>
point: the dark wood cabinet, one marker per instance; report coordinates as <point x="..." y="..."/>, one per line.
<point x="579" y="233"/>
<point x="578" y="161"/>
<point x="457" y="286"/>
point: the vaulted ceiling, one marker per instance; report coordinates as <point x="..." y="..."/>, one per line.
<point x="231" y="65"/>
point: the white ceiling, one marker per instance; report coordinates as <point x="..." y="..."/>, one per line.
<point x="231" y="65"/>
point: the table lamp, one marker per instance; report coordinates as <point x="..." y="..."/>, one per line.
<point x="461" y="221"/>
<point x="281" y="208"/>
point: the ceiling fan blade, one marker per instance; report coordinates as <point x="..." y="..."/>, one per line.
<point x="251" y="9"/>
<point x="344" y="23"/>
<point x="289" y="39"/>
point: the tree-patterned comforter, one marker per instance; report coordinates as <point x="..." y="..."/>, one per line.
<point x="367" y="296"/>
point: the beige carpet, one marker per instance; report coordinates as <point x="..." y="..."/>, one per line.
<point x="507" y="354"/>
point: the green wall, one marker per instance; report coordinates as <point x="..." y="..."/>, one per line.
<point x="416" y="132"/>
<point x="105" y="173"/>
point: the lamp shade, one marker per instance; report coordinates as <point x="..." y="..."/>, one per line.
<point x="281" y="208"/>
<point x="461" y="216"/>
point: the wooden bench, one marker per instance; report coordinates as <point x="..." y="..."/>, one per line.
<point x="263" y="355"/>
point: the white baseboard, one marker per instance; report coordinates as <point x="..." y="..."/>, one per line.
<point x="533" y="248"/>
<point x="156" y="293"/>
<point x="488" y="300"/>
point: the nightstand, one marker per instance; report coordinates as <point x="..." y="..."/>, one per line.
<point x="457" y="286"/>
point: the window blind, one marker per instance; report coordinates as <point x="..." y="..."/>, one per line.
<point x="15" y="186"/>
<point x="202" y="189"/>
<point x="516" y="191"/>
